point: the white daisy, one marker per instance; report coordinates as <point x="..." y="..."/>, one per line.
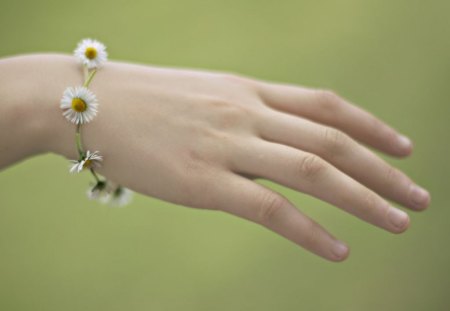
<point x="121" y="196"/>
<point x="79" y="105"/>
<point x="90" y="160"/>
<point x="99" y="191"/>
<point x="91" y="53"/>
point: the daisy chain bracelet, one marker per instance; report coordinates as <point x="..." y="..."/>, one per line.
<point x="80" y="106"/>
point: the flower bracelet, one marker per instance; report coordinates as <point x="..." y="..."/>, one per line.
<point x="80" y="106"/>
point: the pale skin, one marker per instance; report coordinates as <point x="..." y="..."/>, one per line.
<point x="201" y="139"/>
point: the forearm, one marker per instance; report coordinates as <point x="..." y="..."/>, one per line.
<point x="30" y="89"/>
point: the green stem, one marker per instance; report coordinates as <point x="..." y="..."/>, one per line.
<point x="78" y="141"/>
<point x="85" y="72"/>
<point x="89" y="78"/>
<point x="94" y="174"/>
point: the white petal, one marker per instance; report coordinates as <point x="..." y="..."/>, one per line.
<point x="121" y="199"/>
<point x="87" y="96"/>
<point x="100" y="58"/>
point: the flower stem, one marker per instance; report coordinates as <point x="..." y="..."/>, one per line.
<point x="90" y="77"/>
<point x="78" y="141"/>
<point x="95" y="174"/>
<point x="85" y="72"/>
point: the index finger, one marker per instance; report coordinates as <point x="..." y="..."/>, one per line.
<point x="326" y="107"/>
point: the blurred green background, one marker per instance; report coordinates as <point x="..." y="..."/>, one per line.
<point x="58" y="251"/>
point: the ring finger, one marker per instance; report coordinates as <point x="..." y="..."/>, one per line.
<point x="312" y="175"/>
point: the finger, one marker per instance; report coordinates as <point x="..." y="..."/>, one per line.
<point x="244" y="198"/>
<point x="327" y="108"/>
<point x="310" y="174"/>
<point x="344" y="153"/>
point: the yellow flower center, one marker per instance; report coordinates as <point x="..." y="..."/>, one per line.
<point x="87" y="163"/>
<point x="90" y="53"/>
<point x="79" y="105"/>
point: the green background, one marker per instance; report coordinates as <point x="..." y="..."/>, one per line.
<point x="59" y="251"/>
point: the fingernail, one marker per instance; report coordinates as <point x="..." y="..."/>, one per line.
<point x="404" y="142"/>
<point x="339" y="250"/>
<point x="419" y="196"/>
<point x="398" y="218"/>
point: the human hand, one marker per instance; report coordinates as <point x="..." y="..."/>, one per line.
<point x="200" y="138"/>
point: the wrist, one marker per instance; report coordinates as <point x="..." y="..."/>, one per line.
<point x="56" y="135"/>
<point x="26" y="86"/>
<point x="33" y="87"/>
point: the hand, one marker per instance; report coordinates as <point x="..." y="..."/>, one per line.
<point x="200" y="138"/>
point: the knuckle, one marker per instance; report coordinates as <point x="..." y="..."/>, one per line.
<point x="235" y="78"/>
<point x="241" y="111"/>
<point x="229" y="114"/>
<point x="212" y="148"/>
<point x="212" y="136"/>
<point x="373" y="206"/>
<point x="218" y="102"/>
<point x="374" y="123"/>
<point x="392" y="173"/>
<point x="335" y="141"/>
<point x="222" y="103"/>
<point x="370" y="200"/>
<point x="269" y="205"/>
<point x="328" y="100"/>
<point x="193" y="160"/>
<point x="311" y="166"/>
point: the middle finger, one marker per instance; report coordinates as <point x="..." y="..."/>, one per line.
<point x="346" y="154"/>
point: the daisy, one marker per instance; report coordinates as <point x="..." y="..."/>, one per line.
<point x="99" y="191"/>
<point x="90" y="160"/>
<point x="91" y="53"/>
<point x="121" y="196"/>
<point x="79" y="105"/>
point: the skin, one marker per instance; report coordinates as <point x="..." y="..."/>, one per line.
<point x="200" y="139"/>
